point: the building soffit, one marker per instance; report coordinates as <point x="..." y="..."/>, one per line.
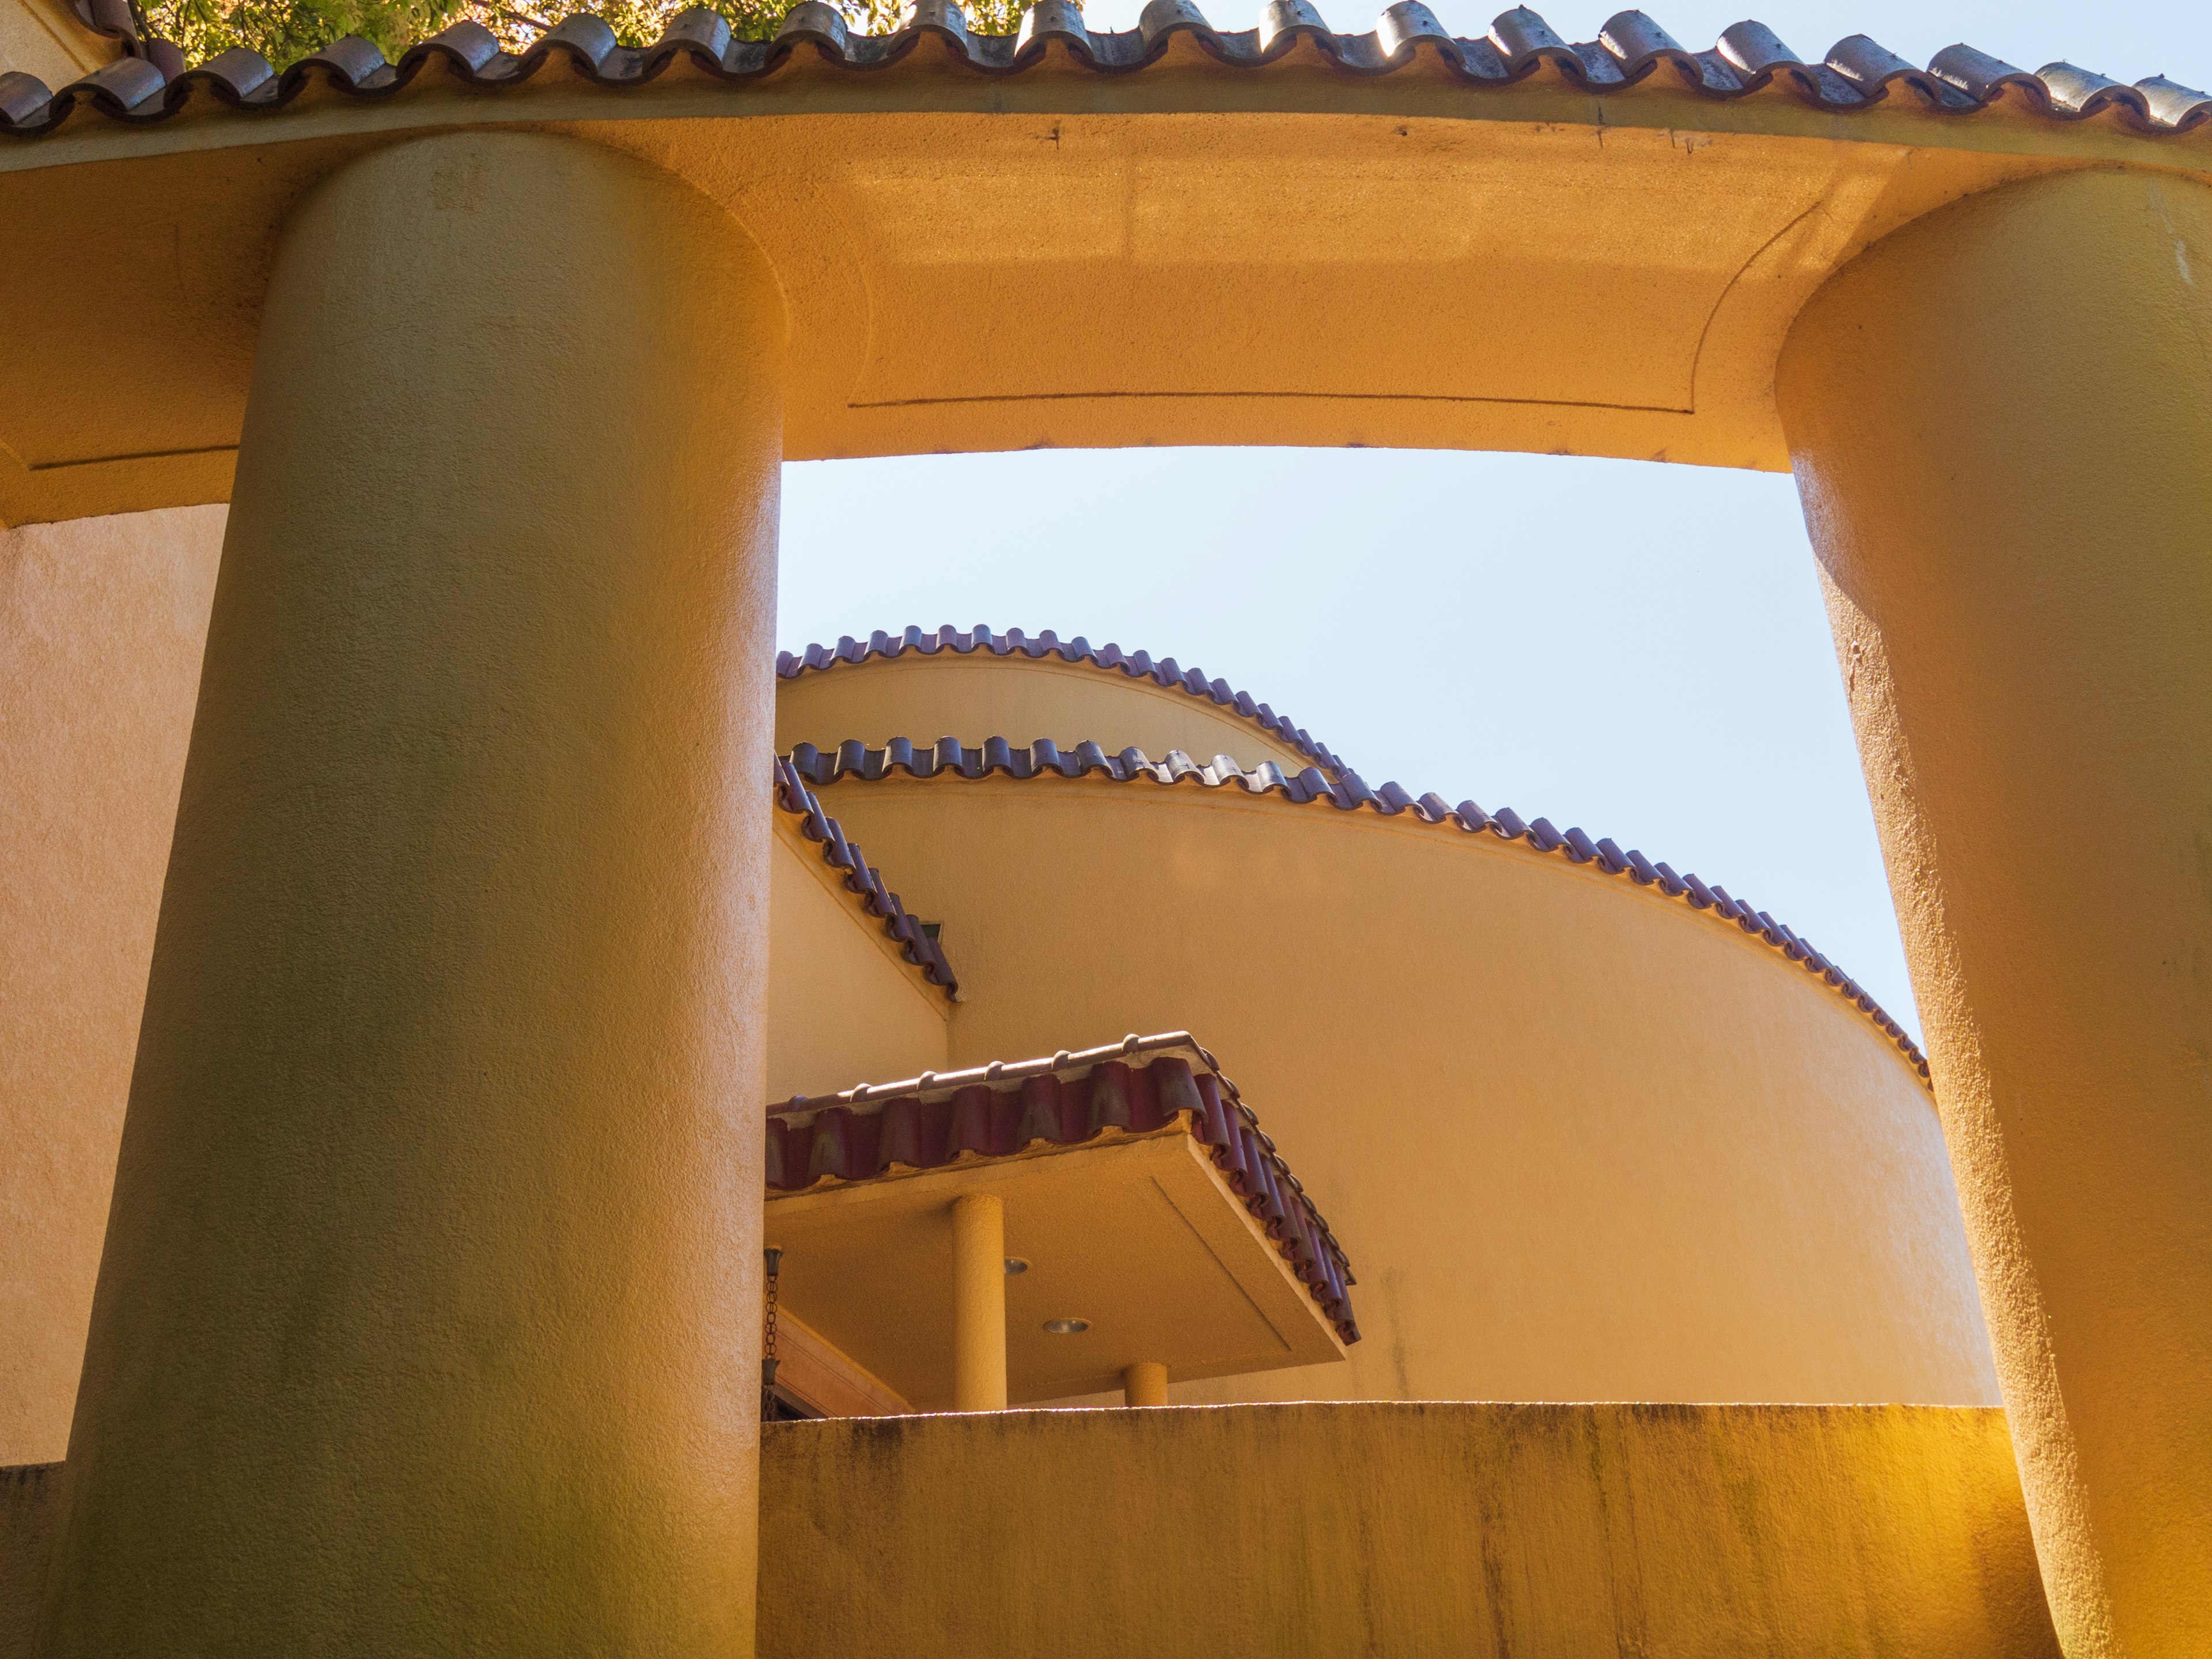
<point x="1110" y="1130"/>
<point x="998" y="758"/>
<point x="1592" y="249"/>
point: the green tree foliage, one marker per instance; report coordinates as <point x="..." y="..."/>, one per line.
<point x="285" y="31"/>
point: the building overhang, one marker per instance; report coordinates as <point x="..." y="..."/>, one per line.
<point x="1293" y="250"/>
<point x="1167" y="1245"/>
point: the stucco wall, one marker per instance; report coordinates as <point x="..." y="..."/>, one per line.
<point x="1581" y="1142"/>
<point x="1576" y="1532"/>
<point x="979" y="695"/>
<point x="1479" y="1531"/>
<point x="101" y="626"/>
<point x="842" y="1007"/>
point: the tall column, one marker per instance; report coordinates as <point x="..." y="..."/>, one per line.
<point x="429" y="1320"/>
<point x="979" y="1303"/>
<point x="2002" y="421"/>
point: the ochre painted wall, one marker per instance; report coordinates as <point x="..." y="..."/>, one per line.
<point x="1581" y="1142"/>
<point x="1543" y="1532"/>
<point x="101" y="625"/>
<point x="843" y="1007"/>
<point x="978" y="696"/>
<point x="1574" y="1532"/>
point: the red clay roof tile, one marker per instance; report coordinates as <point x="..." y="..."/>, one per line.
<point x="1139" y="1086"/>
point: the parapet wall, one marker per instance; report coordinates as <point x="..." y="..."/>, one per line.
<point x="1542" y="1532"/>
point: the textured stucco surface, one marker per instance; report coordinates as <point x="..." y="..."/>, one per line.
<point x="1580" y="1142"/>
<point x="2000" y="417"/>
<point x="1477" y="1531"/>
<point x="427" y="1316"/>
<point x="101" y="625"/>
<point x="842" y="1007"/>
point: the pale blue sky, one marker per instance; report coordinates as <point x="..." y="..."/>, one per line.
<point x="1639" y="649"/>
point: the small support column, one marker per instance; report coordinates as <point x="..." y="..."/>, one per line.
<point x="429" y="1320"/>
<point x="2001" y="419"/>
<point x="1145" y="1383"/>
<point x="979" y="1303"/>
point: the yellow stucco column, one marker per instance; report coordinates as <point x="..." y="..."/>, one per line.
<point x="979" y="1303"/>
<point x="428" y="1321"/>
<point x="1145" y="1383"/>
<point x="2001" y="420"/>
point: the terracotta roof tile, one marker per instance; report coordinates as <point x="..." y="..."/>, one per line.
<point x="1855" y="73"/>
<point x="1139" y="1086"/>
<point x="880" y="647"/>
<point x="1347" y="793"/>
<point x="793" y="797"/>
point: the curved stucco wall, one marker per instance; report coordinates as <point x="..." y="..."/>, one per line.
<point x="841" y="1005"/>
<point x="1581" y="1142"/>
<point x="977" y="697"/>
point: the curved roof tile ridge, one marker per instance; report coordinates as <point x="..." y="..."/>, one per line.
<point x="793" y="796"/>
<point x="1855" y="74"/>
<point x="1133" y="664"/>
<point x="1347" y="793"/>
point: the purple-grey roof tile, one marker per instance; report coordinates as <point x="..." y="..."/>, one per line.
<point x="880" y="647"/>
<point x="1347" y="793"/>
<point x="863" y="881"/>
<point x="1855" y="74"/>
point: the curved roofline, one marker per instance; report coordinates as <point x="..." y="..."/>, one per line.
<point x="1136" y="664"/>
<point x="863" y="881"/>
<point x="1348" y="793"/>
<point x="1857" y="74"/>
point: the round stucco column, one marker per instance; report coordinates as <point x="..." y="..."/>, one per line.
<point x="429" y="1317"/>
<point x="2002" y="423"/>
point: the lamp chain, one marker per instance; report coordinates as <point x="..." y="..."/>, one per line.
<point x="775" y="1259"/>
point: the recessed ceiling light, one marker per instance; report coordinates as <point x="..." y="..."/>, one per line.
<point x="1067" y="1327"/>
<point x="1015" y="1265"/>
